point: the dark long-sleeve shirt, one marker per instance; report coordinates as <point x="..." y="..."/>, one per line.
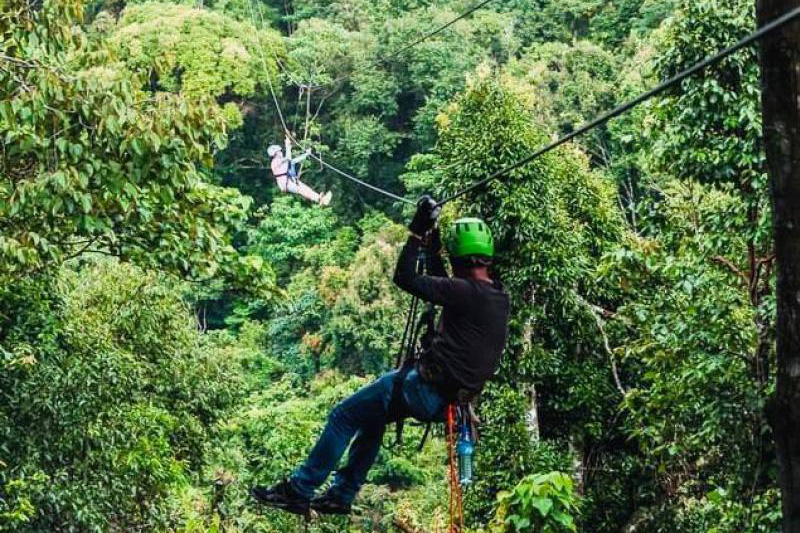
<point x="473" y="328"/>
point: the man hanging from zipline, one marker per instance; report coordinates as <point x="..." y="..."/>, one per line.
<point x="464" y="353"/>
<point x="284" y="168"/>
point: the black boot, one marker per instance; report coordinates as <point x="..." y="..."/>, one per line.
<point x="330" y="504"/>
<point x="282" y="496"/>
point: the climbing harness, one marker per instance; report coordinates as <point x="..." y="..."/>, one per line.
<point x="292" y="173"/>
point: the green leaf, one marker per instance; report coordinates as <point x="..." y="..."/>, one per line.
<point x="543" y="505"/>
<point x="86" y="203"/>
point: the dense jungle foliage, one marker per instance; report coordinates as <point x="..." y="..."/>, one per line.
<point x="173" y="329"/>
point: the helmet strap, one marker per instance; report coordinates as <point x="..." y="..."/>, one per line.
<point x="470" y="261"/>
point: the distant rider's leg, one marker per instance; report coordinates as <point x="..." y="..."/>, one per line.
<point x="307" y="192"/>
<point x="300" y="188"/>
<point x="364" y="411"/>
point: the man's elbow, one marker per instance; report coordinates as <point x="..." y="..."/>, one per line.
<point x="398" y="280"/>
<point x="401" y="281"/>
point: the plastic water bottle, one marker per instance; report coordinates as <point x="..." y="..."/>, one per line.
<point x="466" y="451"/>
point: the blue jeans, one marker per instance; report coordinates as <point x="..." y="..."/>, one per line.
<point x="363" y="416"/>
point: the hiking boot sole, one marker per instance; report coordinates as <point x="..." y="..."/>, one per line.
<point x="340" y="512"/>
<point x="288" y="507"/>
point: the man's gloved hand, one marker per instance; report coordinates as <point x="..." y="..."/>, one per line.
<point x="425" y="217"/>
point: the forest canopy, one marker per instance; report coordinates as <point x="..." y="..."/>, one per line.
<point x="174" y="329"/>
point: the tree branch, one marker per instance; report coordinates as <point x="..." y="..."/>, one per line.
<point x="724" y="261"/>
<point x="402" y="526"/>
<point x="597" y="312"/>
<point x="19" y="62"/>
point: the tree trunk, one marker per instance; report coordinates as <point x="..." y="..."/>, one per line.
<point x="532" y="416"/>
<point x="780" y="65"/>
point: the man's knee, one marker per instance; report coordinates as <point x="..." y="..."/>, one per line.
<point x="340" y="414"/>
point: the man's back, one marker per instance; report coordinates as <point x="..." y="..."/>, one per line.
<point x="472" y="332"/>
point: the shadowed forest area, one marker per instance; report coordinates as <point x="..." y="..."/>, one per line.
<point x="174" y="329"/>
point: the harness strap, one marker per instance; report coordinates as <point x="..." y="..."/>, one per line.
<point x="398" y="410"/>
<point x="397" y="404"/>
<point x="287" y="175"/>
<point x="425" y="436"/>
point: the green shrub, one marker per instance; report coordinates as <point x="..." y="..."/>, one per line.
<point x="397" y="472"/>
<point x="540" y="503"/>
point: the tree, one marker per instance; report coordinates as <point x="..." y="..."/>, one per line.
<point x="686" y="319"/>
<point x="780" y="67"/>
<point x="178" y="48"/>
<point x="288" y="231"/>
<point x="709" y="131"/>
<point x="92" y="163"/>
<point x="365" y="309"/>
<point x="572" y="84"/>
<point x="110" y="394"/>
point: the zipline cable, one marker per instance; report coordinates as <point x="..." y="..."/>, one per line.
<point x="361" y="182"/>
<point x="753" y="37"/>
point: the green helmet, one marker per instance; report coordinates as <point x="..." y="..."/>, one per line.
<point x="470" y="237"/>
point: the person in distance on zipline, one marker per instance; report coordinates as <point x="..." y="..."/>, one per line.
<point x="464" y="353"/>
<point x="284" y="168"/>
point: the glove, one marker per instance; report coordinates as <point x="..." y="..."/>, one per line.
<point x="425" y="217"/>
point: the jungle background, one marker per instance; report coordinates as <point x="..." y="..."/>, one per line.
<point x="173" y="329"/>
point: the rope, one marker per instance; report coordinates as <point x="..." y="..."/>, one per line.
<point x="410" y="316"/>
<point x="753" y="37"/>
<point x="264" y="62"/>
<point x="456" y="502"/>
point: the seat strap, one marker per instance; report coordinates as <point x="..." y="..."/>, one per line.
<point x="398" y="410"/>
